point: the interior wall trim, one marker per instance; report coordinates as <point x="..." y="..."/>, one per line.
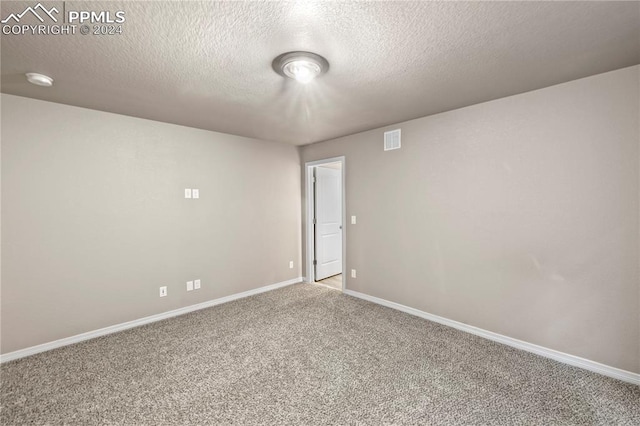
<point x="21" y="353"/>
<point x="596" y="367"/>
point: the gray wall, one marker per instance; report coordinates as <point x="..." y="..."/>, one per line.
<point x="94" y="218"/>
<point x="519" y="216"/>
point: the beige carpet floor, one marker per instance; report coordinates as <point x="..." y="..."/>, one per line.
<point x="304" y="355"/>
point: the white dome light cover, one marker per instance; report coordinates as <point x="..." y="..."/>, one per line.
<point x="39" y="79"/>
<point x="300" y="66"/>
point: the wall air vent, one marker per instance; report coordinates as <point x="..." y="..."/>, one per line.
<point x="392" y="140"/>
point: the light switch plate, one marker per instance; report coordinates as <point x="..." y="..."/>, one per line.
<point x="189" y="285"/>
<point x="187" y="193"/>
<point x="353" y="273"/>
<point x="291" y="264"/>
<point x="353" y="220"/>
<point x="196" y="284"/>
<point x="163" y="291"/>
<point x="195" y="193"/>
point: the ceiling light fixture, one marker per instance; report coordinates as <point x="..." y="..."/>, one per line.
<point x="300" y="66"/>
<point x="39" y="79"/>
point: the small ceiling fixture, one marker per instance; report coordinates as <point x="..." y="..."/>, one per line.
<point x="301" y="66"/>
<point x="39" y="79"/>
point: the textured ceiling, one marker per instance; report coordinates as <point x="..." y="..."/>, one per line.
<point x="208" y="64"/>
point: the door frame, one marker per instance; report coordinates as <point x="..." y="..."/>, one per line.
<point x="310" y="205"/>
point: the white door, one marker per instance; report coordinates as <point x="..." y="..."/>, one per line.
<point x="328" y="223"/>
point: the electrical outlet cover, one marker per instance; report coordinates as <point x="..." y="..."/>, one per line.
<point x="196" y="284"/>
<point x="189" y="285"/>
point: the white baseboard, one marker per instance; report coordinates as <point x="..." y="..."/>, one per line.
<point x="576" y="361"/>
<point x="138" y="322"/>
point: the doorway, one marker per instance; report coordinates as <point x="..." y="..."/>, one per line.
<point x="325" y="260"/>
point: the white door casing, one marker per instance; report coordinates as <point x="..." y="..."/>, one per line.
<point x="328" y="223"/>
